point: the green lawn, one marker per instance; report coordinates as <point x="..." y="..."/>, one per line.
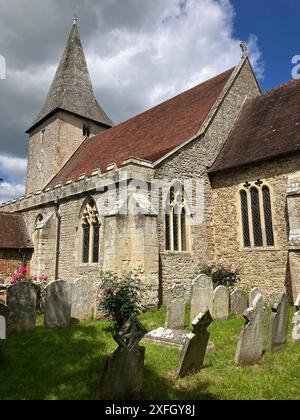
<point x="67" y="364"/>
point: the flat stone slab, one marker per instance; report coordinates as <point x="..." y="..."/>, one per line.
<point x="167" y="337"/>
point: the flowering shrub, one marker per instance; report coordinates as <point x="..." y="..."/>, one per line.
<point x="222" y="274"/>
<point x="120" y="297"/>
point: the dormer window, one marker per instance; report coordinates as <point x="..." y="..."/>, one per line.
<point x="86" y="131"/>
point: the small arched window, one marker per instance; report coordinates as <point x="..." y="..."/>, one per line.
<point x="90" y="228"/>
<point x="176" y="226"/>
<point x="256" y="214"/>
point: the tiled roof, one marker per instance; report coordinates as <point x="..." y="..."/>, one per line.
<point x="268" y="127"/>
<point x="13" y="232"/>
<point x="150" y="135"/>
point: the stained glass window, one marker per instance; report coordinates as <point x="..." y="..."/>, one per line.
<point x="96" y="241"/>
<point x="245" y="219"/>
<point x="86" y="243"/>
<point x="268" y="216"/>
<point x="256" y="220"/>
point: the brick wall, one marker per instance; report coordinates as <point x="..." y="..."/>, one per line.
<point x="10" y="260"/>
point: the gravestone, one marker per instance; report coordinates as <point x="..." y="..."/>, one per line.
<point x="3" y="318"/>
<point x="221" y="303"/>
<point x="296" y="322"/>
<point x="279" y="324"/>
<point x="238" y="302"/>
<point x="122" y="378"/>
<point x="21" y="304"/>
<point x="254" y="292"/>
<point x="250" y="344"/>
<point x="202" y="295"/>
<point x="84" y="300"/>
<point x="176" y="308"/>
<point x="194" y="350"/>
<point x="58" y="304"/>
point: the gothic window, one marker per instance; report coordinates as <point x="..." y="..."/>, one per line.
<point x="256" y="216"/>
<point x="90" y="233"/>
<point x="176" y="227"/>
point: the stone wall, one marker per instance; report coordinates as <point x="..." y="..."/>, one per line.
<point x="267" y="269"/>
<point x="191" y="162"/>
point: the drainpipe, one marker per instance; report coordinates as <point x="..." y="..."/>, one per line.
<point x="58" y="218"/>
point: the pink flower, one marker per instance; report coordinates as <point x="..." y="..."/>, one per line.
<point x="34" y="278"/>
<point x="23" y="270"/>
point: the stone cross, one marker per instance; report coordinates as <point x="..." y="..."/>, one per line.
<point x="250" y="344"/>
<point x="254" y="292"/>
<point x="238" y="302"/>
<point x="84" y="299"/>
<point x="279" y="324"/>
<point x="194" y="349"/>
<point x="3" y="318"/>
<point x="176" y="308"/>
<point x="202" y="295"/>
<point x="221" y="303"/>
<point x="21" y="303"/>
<point x="123" y="372"/>
<point x="296" y="322"/>
<point x="58" y="304"/>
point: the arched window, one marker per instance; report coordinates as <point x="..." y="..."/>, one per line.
<point x="90" y="227"/>
<point x="256" y="214"/>
<point x="176" y="226"/>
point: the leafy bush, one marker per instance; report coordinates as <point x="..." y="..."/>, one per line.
<point x="120" y="297"/>
<point x="222" y="274"/>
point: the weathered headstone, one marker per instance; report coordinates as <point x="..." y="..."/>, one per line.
<point x="221" y="303"/>
<point x="3" y="318"/>
<point x="194" y="350"/>
<point x="250" y="344"/>
<point x="296" y="322"/>
<point x="58" y="304"/>
<point x="21" y="303"/>
<point x="202" y="295"/>
<point x="176" y="308"/>
<point x="84" y="299"/>
<point x="279" y="324"/>
<point x="238" y="302"/>
<point x="123" y="373"/>
<point x="254" y="292"/>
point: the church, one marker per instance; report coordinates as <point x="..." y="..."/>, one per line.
<point x="90" y="206"/>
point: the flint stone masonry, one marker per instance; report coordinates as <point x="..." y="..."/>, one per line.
<point x="176" y="308"/>
<point x="21" y="304"/>
<point x="58" y="304"/>
<point x="296" y="322"/>
<point x="84" y="299"/>
<point x="221" y="303"/>
<point x="202" y="295"/>
<point x="250" y="344"/>
<point x="279" y="324"/>
<point x="238" y="302"/>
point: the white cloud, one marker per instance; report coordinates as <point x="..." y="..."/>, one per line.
<point x="9" y="191"/>
<point x="13" y="171"/>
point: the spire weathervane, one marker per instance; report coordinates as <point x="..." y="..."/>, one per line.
<point x="244" y="49"/>
<point x="75" y="20"/>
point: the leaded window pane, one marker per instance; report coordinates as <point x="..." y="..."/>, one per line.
<point x="168" y="232"/>
<point x="268" y="216"/>
<point x="183" y="230"/>
<point x="257" y="230"/>
<point x="86" y="243"/>
<point x="245" y="219"/>
<point x="96" y="243"/>
<point x="175" y="229"/>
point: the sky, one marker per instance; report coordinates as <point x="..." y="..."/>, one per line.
<point x="139" y="53"/>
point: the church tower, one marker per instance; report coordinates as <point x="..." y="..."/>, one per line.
<point x="70" y="114"/>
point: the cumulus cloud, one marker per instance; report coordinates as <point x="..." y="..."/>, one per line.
<point x="139" y="53"/>
<point x="13" y="170"/>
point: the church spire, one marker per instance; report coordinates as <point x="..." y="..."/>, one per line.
<point x="72" y="89"/>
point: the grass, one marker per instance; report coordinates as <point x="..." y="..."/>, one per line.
<point x="67" y="364"/>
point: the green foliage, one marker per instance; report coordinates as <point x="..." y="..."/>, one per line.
<point x="120" y="297"/>
<point x="222" y="274"/>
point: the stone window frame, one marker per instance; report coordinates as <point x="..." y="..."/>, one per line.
<point x="89" y="215"/>
<point x="185" y="206"/>
<point x="246" y="187"/>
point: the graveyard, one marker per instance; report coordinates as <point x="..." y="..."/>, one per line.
<point x="67" y="364"/>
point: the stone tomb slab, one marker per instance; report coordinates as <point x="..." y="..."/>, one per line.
<point x="58" y="304"/>
<point x="202" y="295"/>
<point x="296" y="322"/>
<point x="239" y="302"/>
<point x="84" y="299"/>
<point x="176" y="308"/>
<point x="21" y="303"/>
<point x="279" y="324"/>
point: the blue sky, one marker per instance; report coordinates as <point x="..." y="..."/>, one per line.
<point x="276" y="24"/>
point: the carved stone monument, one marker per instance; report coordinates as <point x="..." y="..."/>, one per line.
<point x="254" y="292"/>
<point x="279" y="324"/>
<point x="221" y="303"/>
<point x="202" y="295"/>
<point x="296" y="322"/>
<point x="3" y="318"/>
<point x="21" y="303"/>
<point x="238" y="302"/>
<point x="58" y="304"/>
<point x="176" y="308"/>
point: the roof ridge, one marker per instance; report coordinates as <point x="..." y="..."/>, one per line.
<point x="283" y="85"/>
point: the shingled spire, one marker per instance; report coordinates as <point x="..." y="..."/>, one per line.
<point x="72" y="89"/>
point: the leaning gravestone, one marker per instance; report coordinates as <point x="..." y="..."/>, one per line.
<point x="221" y="303"/>
<point x="202" y="295"/>
<point x="21" y="304"/>
<point x="176" y="308"/>
<point x="84" y="299"/>
<point x="279" y="324"/>
<point x="3" y="318"/>
<point x="238" y="302"/>
<point x="254" y="292"/>
<point x="123" y="373"/>
<point x="296" y="322"/>
<point x="194" y="350"/>
<point x="58" y="304"/>
<point x="250" y="344"/>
